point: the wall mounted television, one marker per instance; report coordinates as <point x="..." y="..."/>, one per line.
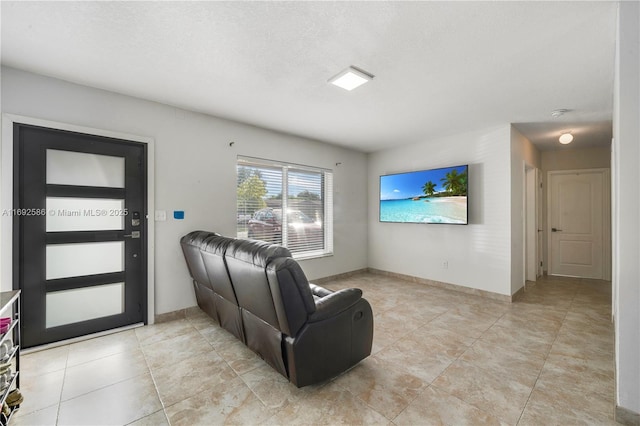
<point x="426" y="196"/>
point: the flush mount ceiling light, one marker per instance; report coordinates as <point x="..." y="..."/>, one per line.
<point x="565" y="138"/>
<point x="559" y="112"/>
<point x="351" y="78"/>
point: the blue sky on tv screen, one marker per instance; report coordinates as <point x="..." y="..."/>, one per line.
<point x="406" y="185"/>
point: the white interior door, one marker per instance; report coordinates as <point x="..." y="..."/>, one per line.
<point x="576" y="223"/>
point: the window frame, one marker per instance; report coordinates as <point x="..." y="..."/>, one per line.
<point x="326" y="194"/>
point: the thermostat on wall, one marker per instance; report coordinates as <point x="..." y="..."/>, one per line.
<point x="178" y="214"/>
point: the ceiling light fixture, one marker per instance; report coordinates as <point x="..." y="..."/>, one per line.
<point x="351" y="78"/>
<point x="559" y="112"/>
<point x="565" y="138"/>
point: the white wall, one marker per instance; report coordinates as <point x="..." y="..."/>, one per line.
<point x="478" y="254"/>
<point x="523" y="154"/>
<point x="577" y="158"/>
<point x="195" y="171"/>
<point x="626" y="211"/>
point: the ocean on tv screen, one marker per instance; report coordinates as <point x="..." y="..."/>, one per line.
<point x="424" y="210"/>
<point x="425" y="196"/>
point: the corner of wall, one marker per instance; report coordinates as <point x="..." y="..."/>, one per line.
<point x="478" y="254"/>
<point x="523" y="154"/>
<point x="626" y="274"/>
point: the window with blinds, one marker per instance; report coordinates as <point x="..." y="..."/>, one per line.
<point x="267" y="189"/>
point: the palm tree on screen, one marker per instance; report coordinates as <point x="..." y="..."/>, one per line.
<point x="450" y="181"/>
<point x="429" y="188"/>
<point x="455" y="183"/>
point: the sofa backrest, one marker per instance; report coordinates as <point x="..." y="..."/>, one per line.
<point x="259" y="277"/>
<point x="292" y="297"/>
<point x="246" y="262"/>
<point x="213" y="250"/>
<point x="191" y="244"/>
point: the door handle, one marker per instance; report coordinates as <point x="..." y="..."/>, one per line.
<point x="133" y="234"/>
<point x="556" y="230"/>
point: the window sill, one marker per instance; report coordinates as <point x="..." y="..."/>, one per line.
<point x="311" y="255"/>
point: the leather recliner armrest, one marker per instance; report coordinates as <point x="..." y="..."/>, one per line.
<point x="318" y="291"/>
<point x="334" y="303"/>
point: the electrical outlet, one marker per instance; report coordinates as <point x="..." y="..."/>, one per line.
<point x="161" y="215"/>
<point x="445" y="264"/>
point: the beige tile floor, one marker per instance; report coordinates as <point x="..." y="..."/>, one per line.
<point x="439" y="357"/>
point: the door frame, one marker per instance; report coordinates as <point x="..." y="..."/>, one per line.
<point x="539" y="224"/>
<point x="531" y="218"/>
<point x="606" y="216"/>
<point x="6" y="196"/>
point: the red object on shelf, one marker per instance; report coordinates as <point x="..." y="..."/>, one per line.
<point x="5" y="322"/>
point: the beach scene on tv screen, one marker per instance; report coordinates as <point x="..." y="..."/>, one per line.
<point x="427" y="196"/>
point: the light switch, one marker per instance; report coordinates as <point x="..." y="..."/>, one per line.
<point x="161" y="215"/>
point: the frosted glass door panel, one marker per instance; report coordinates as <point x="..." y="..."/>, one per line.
<point x="73" y="260"/>
<point x="81" y="169"/>
<point x="69" y="306"/>
<point x="84" y="214"/>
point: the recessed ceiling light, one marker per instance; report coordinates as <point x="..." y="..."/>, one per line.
<point x="351" y="78"/>
<point x="565" y="138"/>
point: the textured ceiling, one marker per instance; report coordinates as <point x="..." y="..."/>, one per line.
<point x="440" y="67"/>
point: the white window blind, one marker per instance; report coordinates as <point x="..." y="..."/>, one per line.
<point x="266" y="189"/>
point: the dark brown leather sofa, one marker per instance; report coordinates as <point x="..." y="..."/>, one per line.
<point x="258" y="292"/>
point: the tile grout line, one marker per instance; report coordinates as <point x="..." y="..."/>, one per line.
<point x="164" y="407"/>
<point x="255" y="394"/>
<point x="232" y="369"/>
<point x="396" y="370"/>
<point x="546" y="358"/>
<point x="67" y="367"/>
<point x="240" y="376"/>
<point x="392" y="367"/>
<point x="153" y="379"/>
<point x="450" y="364"/>
<point x="111" y="384"/>
<point x="64" y="376"/>
<point x="443" y="372"/>
<point x="458" y="358"/>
